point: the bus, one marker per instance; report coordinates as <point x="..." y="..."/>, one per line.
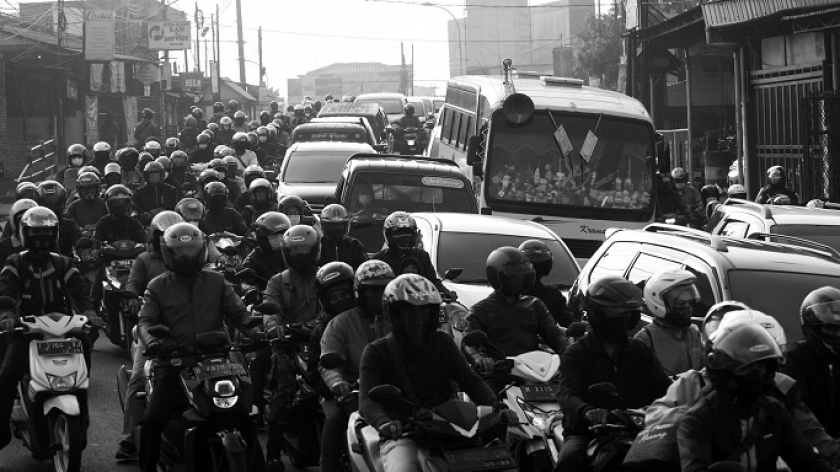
<point x="548" y="149"/>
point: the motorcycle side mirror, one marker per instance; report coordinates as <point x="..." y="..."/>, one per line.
<point x="268" y="308"/>
<point x="452" y="273"/>
<point x="213" y="339"/>
<point x="577" y="329"/>
<point x="159" y="331"/>
<point x="605" y="395"/>
<point x="384" y="393"/>
<point x="475" y="338"/>
<point x="230" y="251"/>
<point x="727" y="466"/>
<point x="332" y="360"/>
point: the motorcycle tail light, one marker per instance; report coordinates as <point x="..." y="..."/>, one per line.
<point x="225" y="402"/>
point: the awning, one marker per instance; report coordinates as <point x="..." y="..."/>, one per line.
<point x="734" y="12"/>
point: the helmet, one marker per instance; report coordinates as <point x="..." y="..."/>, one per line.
<point x="17" y="211"/>
<point x="262" y="131"/>
<point x="160" y="223"/>
<point x="225" y="122"/>
<point x="239" y="115"/>
<point x="233" y="104"/>
<point x="208" y="175"/>
<point x="118" y="200"/>
<point x="190" y="209"/>
<point x="253" y="139"/>
<point x="737" y="191"/>
<point x="88" y="185"/>
<point x="197" y="113"/>
<point x="679" y="175"/>
<point x="217" y="152"/>
<point x="148" y="114"/>
<point x="231" y="163"/>
<point x="172" y="144"/>
<point x="217" y="164"/>
<point x="662" y="291"/>
<point x="179" y="159"/>
<point x="203" y="139"/>
<point x="274" y="105"/>
<point x="301" y="248"/>
<point x="145" y="159"/>
<point x="820" y="318"/>
<point x="416" y="290"/>
<point x="328" y="98"/>
<point x="218" y="107"/>
<point x="717" y="312"/>
<point x="741" y="345"/>
<point x="89" y="168"/>
<point x="251" y="173"/>
<point x="129" y="157"/>
<point x="372" y="273"/>
<point x="608" y="299"/>
<point x="214" y="127"/>
<point x="77" y="150"/>
<point x="110" y="169"/>
<point x="260" y="183"/>
<point x="226" y="151"/>
<point x="269" y="229"/>
<point x="35" y="219"/>
<point x="409" y="109"/>
<point x="400" y="231"/>
<point x="751" y="316"/>
<point x="293" y="206"/>
<point x="539" y="255"/>
<point x="777" y="175"/>
<point x="509" y="271"/>
<point x="153" y="148"/>
<point x="26" y="190"/>
<point x="216" y="194"/>
<point x="709" y="191"/>
<point x="239" y="138"/>
<point x="779" y="200"/>
<point x="52" y="195"/>
<point x="331" y="275"/>
<point x="165" y="162"/>
<point x="184" y="248"/>
<point x="265" y="116"/>
<point x="191" y="122"/>
<point x="298" y="110"/>
<point x="153" y="167"/>
<point x="335" y="222"/>
<point x="101" y="146"/>
<point x="272" y="130"/>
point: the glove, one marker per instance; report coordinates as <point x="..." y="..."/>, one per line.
<point x="258" y="336"/>
<point x="154" y="347"/>
<point x="134" y="302"/>
<point x="484" y="363"/>
<point x="390" y="430"/>
<point x="340" y="389"/>
<point x="7" y="325"/>
<point x="275" y="332"/>
<point x="597" y="416"/>
<point x="93" y="319"/>
<point x="509" y="417"/>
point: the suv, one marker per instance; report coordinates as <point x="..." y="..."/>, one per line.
<point x="372" y="136"/>
<point x="767" y="276"/>
<point x="327" y="131"/>
<point x="372" y="112"/>
<point x="742" y="219"/>
<point x="392" y="103"/>
<point x="399" y="183"/>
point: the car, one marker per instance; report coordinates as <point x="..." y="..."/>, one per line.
<point x="768" y="276"/>
<point x="325" y="131"/>
<point x="392" y="103"/>
<point x="459" y="244"/>
<point x="373" y="136"/>
<point x="311" y="170"/>
<point x="372" y="112"/>
<point x="743" y="218"/>
<point x="430" y="104"/>
<point x="399" y="183"/>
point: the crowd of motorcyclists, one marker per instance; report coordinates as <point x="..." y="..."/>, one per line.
<point x="726" y="382"/>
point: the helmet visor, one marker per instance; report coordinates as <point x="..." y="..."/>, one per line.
<point x="827" y="312"/>
<point x="187" y="251"/>
<point x="682" y="296"/>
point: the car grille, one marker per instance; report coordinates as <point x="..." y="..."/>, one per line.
<point x="583" y="248"/>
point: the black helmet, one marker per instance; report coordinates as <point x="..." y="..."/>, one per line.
<point x="251" y="173"/>
<point x="88" y="185"/>
<point x="269" y="229"/>
<point x="148" y="114"/>
<point x="184" y="249"/>
<point x="743" y="347"/>
<point x="203" y="138"/>
<point x="509" y="271"/>
<point x="709" y="191"/>
<point x="128" y="158"/>
<point x="400" y="231"/>
<point x="301" y="249"/>
<point x="208" y="175"/>
<point x="52" y="195"/>
<point x="118" y="200"/>
<point x="372" y="274"/>
<point x="332" y="275"/>
<point x="539" y="255"/>
<point x="409" y="109"/>
<point x="335" y="222"/>
<point x="293" y="206"/>
<point x="233" y="104"/>
<point x="145" y="159"/>
<point x="39" y="218"/>
<point x="218" y="107"/>
<point x="197" y="113"/>
<point x="216" y="195"/>
<point x="153" y="168"/>
<point x="160" y="223"/>
<point x="609" y="297"/>
<point x="213" y="128"/>
<point x="820" y="312"/>
<point x="166" y="162"/>
<point x="26" y="190"/>
<point x="77" y="150"/>
<point x="776" y="175"/>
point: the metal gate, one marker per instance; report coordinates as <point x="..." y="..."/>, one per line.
<point x="821" y="132"/>
<point x="777" y="133"/>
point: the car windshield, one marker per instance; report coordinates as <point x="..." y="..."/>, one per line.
<point x="314" y="167"/>
<point x="526" y="166"/>
<point x="824" y="234"/>
<point x="469" y="251"/>
<point x="390" y="106"/>
<point x="778" y="294"/>
<point x="409" y="192"/>
<point x="347" y="135"/>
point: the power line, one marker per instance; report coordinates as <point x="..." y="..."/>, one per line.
<point x="476" y="5"/>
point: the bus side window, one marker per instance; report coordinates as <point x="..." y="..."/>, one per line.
<point x="470" y="131"/>
<point x="457" y="119"/>
<point x="462" y="135"/>
<point x="447" y="124"/>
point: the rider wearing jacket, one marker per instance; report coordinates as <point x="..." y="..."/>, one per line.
<point x="77" y="156"/>
<point x="776" y="186"/>
<point x="336" y="245"/>
<point x="606" y="354"/>
<point x="128" y="160"/>
<point x="540" y="256"/>
<point x="668" y="201"/>
<point x="409" y="119"/>
<point x="12" y="244"/>
<point x="117" y="225"/>
<point x="155" y="194"/>
<point x="267" y="258"/>
<point x="251" y="174"/>
<point x="52" y="195"/>
<point x="219" y="217"/>
<point x="262" y="200"/>
<point x="90" y="207"/>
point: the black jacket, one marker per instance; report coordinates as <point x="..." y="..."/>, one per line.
<point x="554" y="301"/>
<point x="265" y="265"/>
<point x="150" y="197"/>
<point x="242" y="201"/>
<point x="110" y="229"/>
<point x="226" y="220"/>
<point x="69" y="234"/>
<point x="46" y="290"/>
<point x="635" y="372"/>
<point x="349" y="250"/>
<point x="426" y="268"/>
<point x="818" y="383"/>
<point x="201" y="155"/>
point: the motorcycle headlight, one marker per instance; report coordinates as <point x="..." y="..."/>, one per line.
<point x="539" y="418"/>
<point x="458" y="319"/>
<point x="225" y="402"/>
<point x="61" y="383"/>
<point x="225" y="388"/>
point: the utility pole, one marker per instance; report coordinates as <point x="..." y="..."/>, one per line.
<point x="241" y="44"/>
<point x="412" y="69"/>
<point x="198" y="26"/>
<point x="62" y="87"/>
<point x="162" y="83"/>
<point x="259" y="49"/>
<point x="218" y="55"/>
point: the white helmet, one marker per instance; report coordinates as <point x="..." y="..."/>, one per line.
<point x="662" y="282"/>
<point x="736" y="188"/>
<point x="750" y="316"/>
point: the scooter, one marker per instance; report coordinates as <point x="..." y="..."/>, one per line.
<point x="118" y="316"/>
<point x="228" y="245"/>
<point x="50" y="413"/>
<point x="409" y="141"/>
<point x="456" y="436"/>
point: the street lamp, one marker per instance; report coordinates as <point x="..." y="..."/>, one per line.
<point x="460" y="53"/>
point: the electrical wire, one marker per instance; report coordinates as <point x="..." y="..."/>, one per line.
<point x="475" y="5"/>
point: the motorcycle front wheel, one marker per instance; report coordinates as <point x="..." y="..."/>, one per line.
<point x="67" y="437"/>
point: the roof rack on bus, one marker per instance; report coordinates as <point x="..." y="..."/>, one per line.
<point x="798" y="242"/>
<point x="552" y="81"/>
<point x="436" y="160"/>
<point x="529" y="74"/>
<point x="760" y="208"/>
<point x="715" y="242"/>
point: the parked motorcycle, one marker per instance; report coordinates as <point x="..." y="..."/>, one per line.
<point x="50" y="413"/>
<point x="410" y="141"/>
<point x="456" y="436"/>
<point x="118" y="316"/>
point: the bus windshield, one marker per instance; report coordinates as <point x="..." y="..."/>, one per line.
<point x="525" y="165"/>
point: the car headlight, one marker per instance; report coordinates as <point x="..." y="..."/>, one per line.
<point x="59" y="383"/>
<point x="225" y="402"/>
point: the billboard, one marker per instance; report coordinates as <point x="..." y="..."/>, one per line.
<point x="169" y="35"/>
<point x="99" y="35"/>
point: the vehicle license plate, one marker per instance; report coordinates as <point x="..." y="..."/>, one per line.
<point x="490" y="458"/>
<point x="210" y="371"/>
<point x="540" y="393"/>
<point x="59" y="348"/>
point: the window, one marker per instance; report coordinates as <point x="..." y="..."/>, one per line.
<point x="647" y="264"/>
<point x="462" y="136"/>
<point x="615" y="260"/>
<point x="456" y="124"/>
<point x="446" y="131"/>
<point x="734" y="228"/>
<point x="411" y="193"/>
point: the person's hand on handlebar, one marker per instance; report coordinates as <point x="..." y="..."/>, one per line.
<point x="340" y="388"/>
<point x="391" y="430"/>
<point x="484" y="363"/>
<point x="7" y="325"/>
<point x="597" y="416"/>
<point x="93" y="318"/>
<point x="259" y="336"/>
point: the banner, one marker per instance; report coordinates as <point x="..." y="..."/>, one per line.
<point x="92" y="118"/>
<point x="169" y="35"/>
<point x="99" y="35"/>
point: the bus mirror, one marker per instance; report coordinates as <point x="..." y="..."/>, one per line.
<point x="518" y="109"/>
<point x="472" y="151"/>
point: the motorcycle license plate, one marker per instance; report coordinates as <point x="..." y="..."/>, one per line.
<point x="59" y="348"/>
<point x="490" y="458"/>
<point x="540" y="393"/>
<point x="210" y="371"/>
<point x="122" y="265"/>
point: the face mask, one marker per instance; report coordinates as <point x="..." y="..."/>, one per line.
<point x="294" y="219"/>
<point x="373" y="300"/>
<point x="334" y="231"/>
<point x="611" y="329"/>
<point x="749" y="387"/>
<point x="76" y="161"/>
<point x="87" y="195"/>
<point x="240" y="147"/>
<point x="414" y="323"/>
<point x="263" y="139"/>
<point x="275" y="241"/>
<point x="679" y="186"/>
<point x="230" y="173"/>
<point x="365" y="199"/>
<point x="216" y="203"/>
<point x="341" y="300"/>
<point x="202" y="146"/>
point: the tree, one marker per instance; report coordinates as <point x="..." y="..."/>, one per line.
<point x="598" y="49"/>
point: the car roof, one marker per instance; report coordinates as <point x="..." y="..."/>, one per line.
<point x="390" y="95"/>
<point x="786" y="214"/>
<point x="368" y="108"/>
<point x="481" y="224"/>
<point x="404" y="164"/>
<point x="331" y="146"/>
<point x="735" y="253"/>
<point x="337" y="119"/>
<point x="330" y="125"/>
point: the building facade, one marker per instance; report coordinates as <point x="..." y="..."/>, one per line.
<point x="352" y="79"/>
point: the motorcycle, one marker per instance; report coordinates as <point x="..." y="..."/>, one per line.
<point x="613" y="439"/>
<point x="119" y="317"/>
<point x="456" y="436"/>
<point x="218" y="386"/>
<point x="50" y="413"/>
<point x="410" y="141"/>
<point x="334" y="360"/>
<point x="229" y="245"/>
<point x="87" y="253"/>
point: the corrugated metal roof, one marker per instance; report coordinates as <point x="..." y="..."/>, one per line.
<point x="732" y="12"/>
